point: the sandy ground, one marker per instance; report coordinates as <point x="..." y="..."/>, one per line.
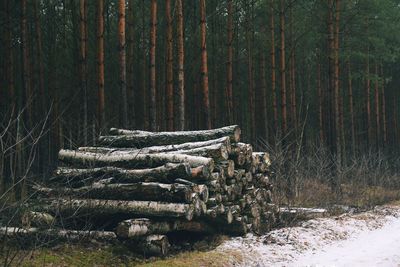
<point x="366" y="239"/>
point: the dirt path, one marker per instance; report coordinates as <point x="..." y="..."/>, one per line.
<point x="367" y="239"/>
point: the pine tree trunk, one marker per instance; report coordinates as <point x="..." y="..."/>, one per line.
<point x="283" y="67"/>
<point x="181" y="72"/>
<point x="153" y="36"/>
<point x="368" y="93"/>
<point x="145" y="89"/>
<point x="100" y="64"/>
<point x="320" y="101"/>
<point x="273" y="66"/>
<point x="383" y="97"/>
<point x="10" y="61"/>
<point x="251" y="108"/>
<point x="204" y="68"/>
<point x="170" y="75"/>
<point x="83" y="64"/>
<point x="351" y="108"/>
<point x="264" y="106"/>
<point x="131" y="65"/>
<point x="39" y="51"/>
<point x="229" y="63"/>
<point x="339" y="139"/>
<point x="122" y="62"/>
<point x="292" y="74"/>
<point x="330" y="99"/>
<point x="26" y="71"/>
<point x="377" y="110"/>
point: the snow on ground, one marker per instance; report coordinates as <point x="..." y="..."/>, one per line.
<point x="366" y="239"/>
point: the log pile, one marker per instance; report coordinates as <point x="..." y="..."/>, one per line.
<point x="145" y="187"/>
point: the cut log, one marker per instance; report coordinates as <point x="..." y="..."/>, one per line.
<point x="246" y="150"/>
<point x="199" y="206"/>
<point x="223" y="141"/>
<point x="228" y="168"/>
<point x="89" y="159"/>
<point x="116" y="131"/>
<point x="143" y="139"/>
<point x="139" y="227"/>
<point x="137" y="191"/>
<point x="203" y="192"/>
<point x="218" y="152"/>
<point x="94" y="207"/>
<point x="37" y="219"/>
<point x="263" y="157"/>
<point x="54" y="235"/>
<point x="166" y="173"/>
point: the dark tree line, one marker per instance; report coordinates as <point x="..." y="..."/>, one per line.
<point x="323" y="72"/>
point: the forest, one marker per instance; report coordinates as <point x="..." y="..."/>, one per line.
<point x="137" y="128"/>
<point x="302" y="77"/>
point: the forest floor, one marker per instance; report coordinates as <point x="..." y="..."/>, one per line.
<point x="369" y="238"/>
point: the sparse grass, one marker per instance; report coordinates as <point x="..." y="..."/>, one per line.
<point x="78" y="255"/>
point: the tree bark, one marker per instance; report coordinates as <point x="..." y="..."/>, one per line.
<point x="283" y="68"/>
<point x="26" y="71"/>
<point x="264" y="105"/>
<point x="57" y="235"/>
<point x="135" y="161"/>
<point x="166" y="173"/>
<point x="83" y="64"/>
<point x="122" y="61"/>
<point x="339" y="138"/>
<point x="273" y="65"/>
<point x="153" y="36"/>
<point x="351" y="107"/>
<point x="170" y="74"/>
<point x="140" y="227"/>
<point x="131" y="91"/>
<point x="177" y="193"/>
<point x="181" y="72"/>
<point x="292" y="72"/>
<point x="383" y="97"/>
<point x="204" y="68"/>
<point x="368" y="92"/>
<point x="250" y="74"/>
<point x="37" y="219"/>
<point x="377" y="108"/>
<point x="100" y="64"/>
<point x="320" y="102"/>
<point x="82" y="207"/>
<point x="229" y="63"/>
<point x="144" y="139"/>
<point x="43" y="104"/>
<point x="10" y="61"/>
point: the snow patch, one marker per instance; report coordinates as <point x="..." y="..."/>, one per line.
<point x="336" y="241"/>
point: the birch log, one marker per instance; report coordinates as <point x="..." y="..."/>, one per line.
<point x="32" y="234"/>
<point x="137" y="191"/>
<point x="89" y="159"/>
<point x="160" y="149"/>
<point x="94" y="207"/>
<point x="139" y="227"/>
<point x="166" y="173"/>
<point x="143" y="139"/>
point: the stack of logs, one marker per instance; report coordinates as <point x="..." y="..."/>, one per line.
<point x="145" y="188"/>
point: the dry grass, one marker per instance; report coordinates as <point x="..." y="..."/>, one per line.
<point x="313" y="193"/>
<point x="78" y="255"/>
